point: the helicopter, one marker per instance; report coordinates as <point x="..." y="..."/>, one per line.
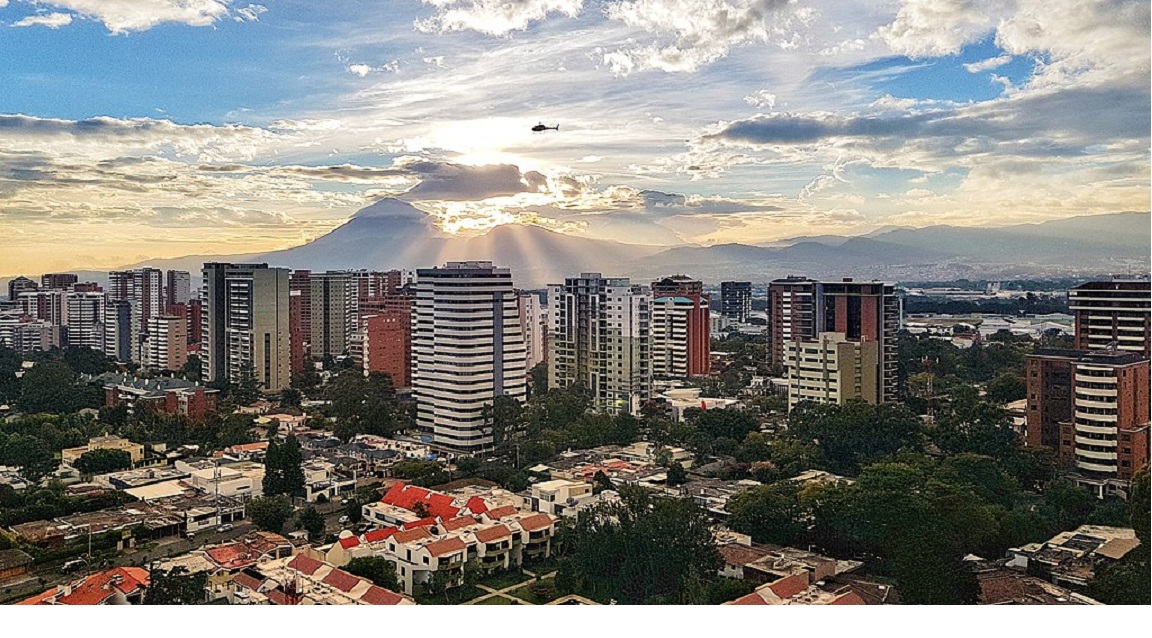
<point x="540" y="127"/>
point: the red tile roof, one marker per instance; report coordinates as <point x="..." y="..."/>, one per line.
<point x="446" y="546"/>
<point x="750" y="599"/>
<point x="454" y="524"/>
<point x="97" y="588"/>
<point x="424" y="522"/>
<point x="342" y="580"/>
<point x="277" y="597"/>
<point x="408" y="496"/>
<point x="232" y="555"/>
<point x="536" y="522"/>
<point x="377" y="535"/>
<point x="476" y="505"/>
<point x="501" y="512"/>
<point x="411" y="535"/>
<point x="380" y="596"/>
<point x="790" y="586"/>
<point x="305" y="564"/>
<point x="349" y="542"/>
<point x="850" y="598"/>
<point x="248" y="581"/>
<point x="496" y="532"/>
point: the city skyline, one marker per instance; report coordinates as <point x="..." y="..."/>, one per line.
<point x="151" y="128"/>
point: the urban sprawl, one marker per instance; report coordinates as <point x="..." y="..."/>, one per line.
<point x="257" y="435"/>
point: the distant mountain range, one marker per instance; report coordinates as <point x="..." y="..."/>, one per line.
<point x="393" y="234"/>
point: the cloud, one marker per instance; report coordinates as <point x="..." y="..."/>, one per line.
<point x="457" y="182"/>
<point x="361" y="70"/>
<point x="989" y="64"/>
<point x="493" y="17"/>
<point x="694" y="33"/>
<point x="928" y="28"/>
<point x="50" y="20"/>
<point x="124" y="16"/>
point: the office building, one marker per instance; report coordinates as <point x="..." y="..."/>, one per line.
<point x="246" y="324"/>
<point x="833" y="369"/>
<point x="145" y="286"/>
<point x="599" y="338"/>
<point x="681" y="339"/>
<point x="334" y="309"/>
<point x="46" y="305"/>
<point x="300" y="281"/>
<point x="1117" y="311"/>
<point x="19" y="285"/>
<point x="736" y="300"/>
<point x="467" y="349"/>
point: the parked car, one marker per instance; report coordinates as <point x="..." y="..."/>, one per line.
<point x="344" y="519"/>
<point x="75" y="563"/>
<point x="226" y="527"/>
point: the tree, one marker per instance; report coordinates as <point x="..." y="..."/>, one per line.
<point x="1006" y="387"/>
<point x="87" y="361"/>
<point x="270" y="513"/>
<point x="103" y="461"/>
<point x="192" y="369"/>
<point x="677" y="475"/>
<point x="643" y="549"/>
<point x="468" y="465"/>
<point x="247" y="388"/>
<point x="363" y="404"/>
<point x="769" y="514"/>
<point x="856" y="433"/>
<point x="312" y="522"/>
<point x="379" y="570"/>
<point x="291" y="398"/>
<point x="282" y="471"/>
<point x="1127" y="581"/>
<point x="727" y="423"/>
<point x="51" y="386"/>
<point x="29" y="454"/>
<point x="175" y="587"/>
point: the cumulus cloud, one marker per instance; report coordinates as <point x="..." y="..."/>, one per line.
<point x="50" y="20"/>
<point x="694" y="33"/>
<point x="926" y="28"/>
<point x="493" y="17"/>
<point x="124" y="16"/>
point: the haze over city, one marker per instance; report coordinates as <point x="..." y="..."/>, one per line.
<point x="144" y="129"/>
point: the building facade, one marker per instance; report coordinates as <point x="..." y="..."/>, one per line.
<point x="736" y="300"/>
<point x="680" y="329"/>
<point x="385" y="339"/>
<point x="1117" y="311"/>
<point x="467" y="349"/>
<point x="245" y="308"/>
<point x="599" y="337"/>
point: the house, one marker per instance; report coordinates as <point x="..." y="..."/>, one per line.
<point x="13" y="564"/>
<point x="117" y="586"/>
<point x="303" y="580"/>
<point x="136" y="451"/>
<point x="1070" y="559"/>
<point x="560" y="495"/>
<point x="165" y="395"/>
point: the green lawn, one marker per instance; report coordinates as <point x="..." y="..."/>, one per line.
<point x="525" y="593"/>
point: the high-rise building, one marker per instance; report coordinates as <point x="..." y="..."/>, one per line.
<point x="47" y="305"/>
<point x="467" y="349"/>
<point x="599" y="337"/>
<point x="385" y="338"/>
<point x="166" y="347"/>
<point x="122" y="330"/>
<point x="246" y="317"/>
<point x="680" y="328"/>
<point x="802" y="310"/>
<point x="177" y="287"/>
<point x="301" y="281"/>
<point x="334" y="309"/>
<point x="297" y="355"/>
<point x="833" y="369"/>
<point x="1093" y="409"/>
<point x="19" y="285"/>
<point x="736" y="300"/>
<point x="1117" y="311"/>
<point x="86" y="320"/>
<point x="58" y="281"/>
<point x="371" y="283"/>
<point x="534" y="323"/>
<point x="145" y="286"/>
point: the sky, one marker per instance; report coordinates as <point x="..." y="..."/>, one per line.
<point x="138" y="129"/>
